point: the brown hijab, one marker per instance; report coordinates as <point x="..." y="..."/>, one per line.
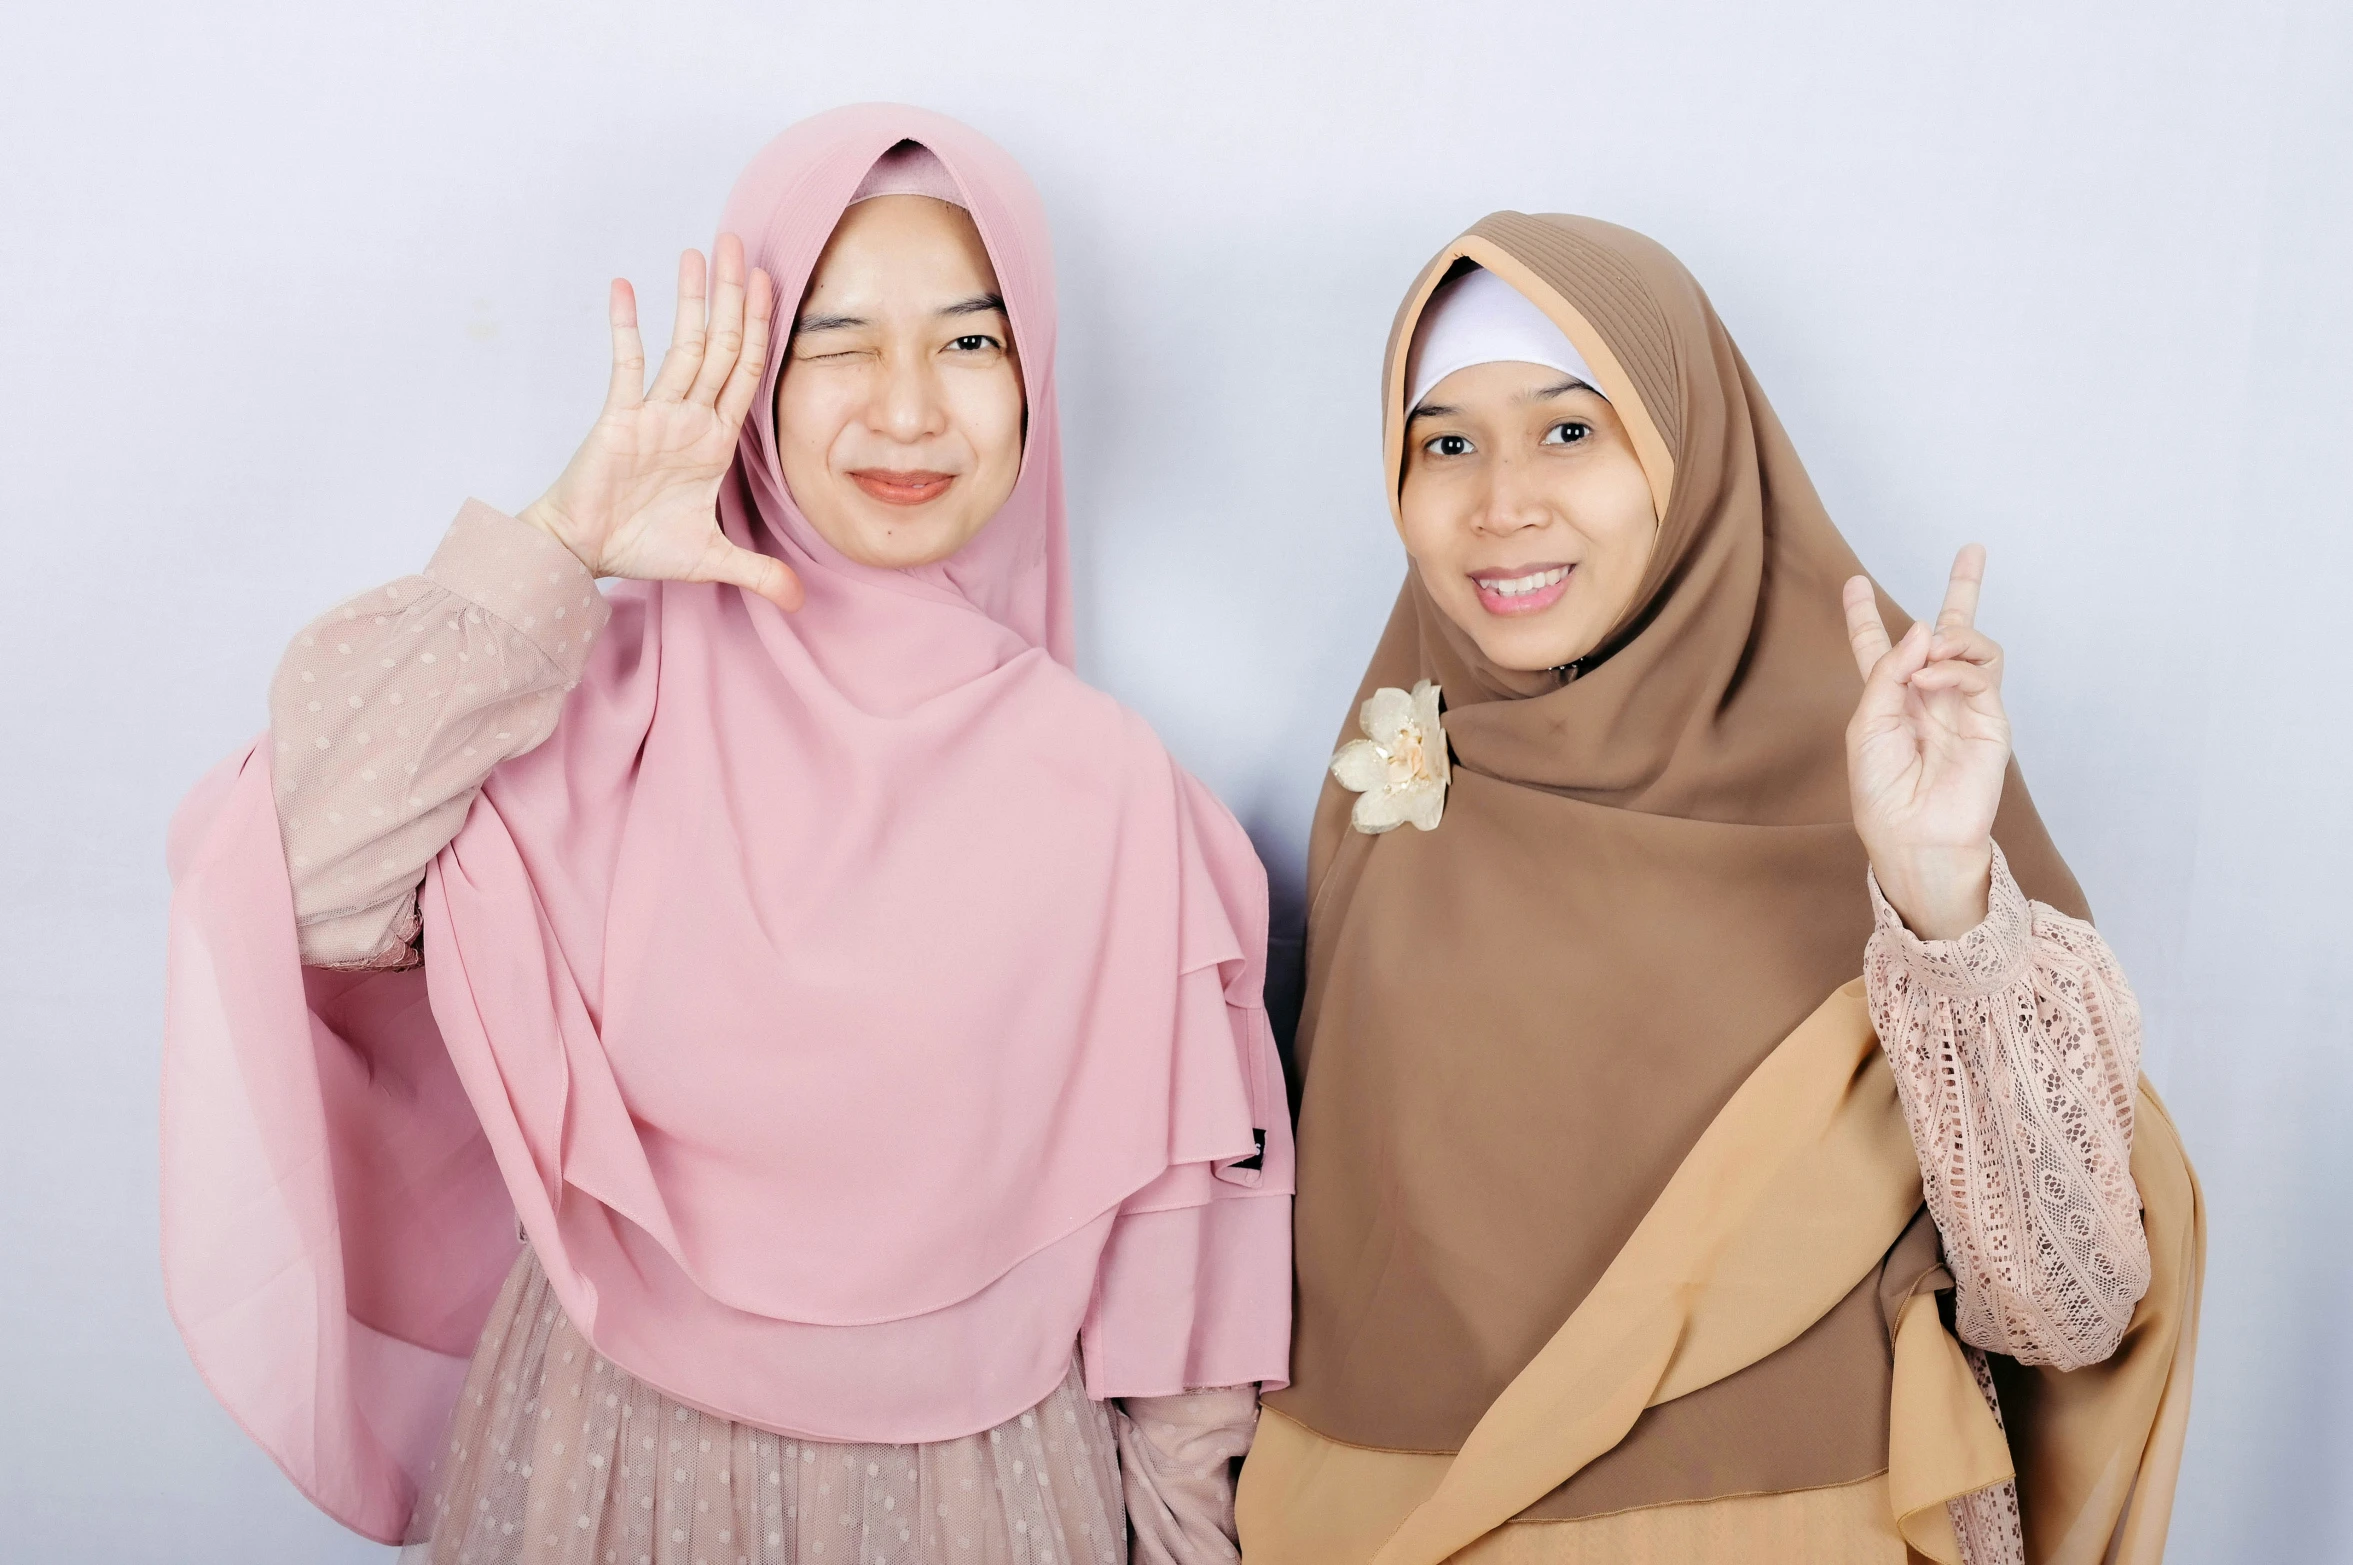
<point x="1517" y="1024"/>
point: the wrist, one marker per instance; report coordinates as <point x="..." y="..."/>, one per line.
<point x="1941" y="893"/>
<point x="545" y="516"/>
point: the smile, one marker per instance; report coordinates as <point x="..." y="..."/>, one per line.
<point x="892" y="488"/>
<point x="1526" y="591"/>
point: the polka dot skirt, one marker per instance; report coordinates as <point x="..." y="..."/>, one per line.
<point x="558" y="1457"/>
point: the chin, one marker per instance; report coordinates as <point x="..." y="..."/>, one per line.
<point x="1529" y="649"/>
<point x="908" y="541"/>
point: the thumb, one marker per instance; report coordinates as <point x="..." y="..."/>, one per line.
<point x="755" y="573"/>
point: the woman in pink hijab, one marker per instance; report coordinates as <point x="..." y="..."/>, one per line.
<point x="763" y="1064"/>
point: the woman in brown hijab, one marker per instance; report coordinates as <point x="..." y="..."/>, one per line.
<point x="1721" y="1133"/>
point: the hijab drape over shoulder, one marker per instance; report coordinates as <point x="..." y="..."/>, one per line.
<point x="1519" y="1025"/>
<point x="856" y="1007"/>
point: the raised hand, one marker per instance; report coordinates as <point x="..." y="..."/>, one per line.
<point x="1926" y="754"/>
<point x="640" y="496"/>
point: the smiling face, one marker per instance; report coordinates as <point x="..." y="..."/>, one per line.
<point x="899" y="412"/>
<point x="1526" y="511"/>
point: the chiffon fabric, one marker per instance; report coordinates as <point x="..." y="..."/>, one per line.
<point x="856" y="1009"/>
<point x="1666" y="839"/>
<point x="1523" y="1027"/>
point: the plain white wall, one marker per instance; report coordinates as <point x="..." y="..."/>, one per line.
<point x="283" y="283"/>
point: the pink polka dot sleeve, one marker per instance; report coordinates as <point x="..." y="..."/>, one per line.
<point x="389" y="711"/>
<point x="2017" y="1053"/>
<point x="1176" y="1467"/>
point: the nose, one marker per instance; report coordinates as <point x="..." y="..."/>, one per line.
<point x="1514" y="501"/>
<point x="906" y="405"/>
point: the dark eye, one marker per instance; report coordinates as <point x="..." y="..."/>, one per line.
<point x="1567" y="433"/>
<point x="1447" y="445"/>
<point x="973" y="344"/>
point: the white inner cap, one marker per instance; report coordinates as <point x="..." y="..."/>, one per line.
<point x="1478" y="318"/>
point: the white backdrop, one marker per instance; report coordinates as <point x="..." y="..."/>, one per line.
<point x="283" y="286"/>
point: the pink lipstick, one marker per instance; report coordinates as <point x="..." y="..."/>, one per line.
<point x="1522" y="589"/>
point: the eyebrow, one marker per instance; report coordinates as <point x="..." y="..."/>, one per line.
<point x="978" y="304"/>
<point x="1446" y="410"/>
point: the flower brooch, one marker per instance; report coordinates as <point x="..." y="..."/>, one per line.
<point x="1399" y="767"/>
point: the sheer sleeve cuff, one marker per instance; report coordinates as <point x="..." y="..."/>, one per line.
<point x="516" y="573"/>
<point x="1986" y="960"/>
<point x="1176" y="1457"/>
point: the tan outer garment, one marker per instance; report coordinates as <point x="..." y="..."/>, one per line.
<point x="1518" y="1024"/>
<point x="1790" y="1188"/>
<point x="2098" y="1444"/>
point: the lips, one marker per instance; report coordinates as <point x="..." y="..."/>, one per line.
<point x="916" y="487"/>
<point x="1522" y="589"/>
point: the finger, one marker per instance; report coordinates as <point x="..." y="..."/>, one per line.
<point x="1962" y="678"/>
<point x="1884" y="686"/>
<point x="1865" y="631"/>
<point x="628" y="387"/>
<point x="724" y="343"/>
<point x="1966" y="644"/>
<point x="685" y="357"/>
<point x="754" y="573"/>
<point x="1960" y="593"/>
<point x="744" y="385"/>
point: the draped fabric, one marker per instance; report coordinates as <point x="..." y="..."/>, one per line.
<point x="1517" y="1025"/>
<point x="856" y="1008"/>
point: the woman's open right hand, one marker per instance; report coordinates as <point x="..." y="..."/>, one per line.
<point x="640" y="496"/>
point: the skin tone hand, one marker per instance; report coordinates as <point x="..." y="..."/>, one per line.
<point x="640" y="496"/>
<point x="1927" y="752"/>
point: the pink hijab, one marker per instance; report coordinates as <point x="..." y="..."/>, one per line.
<point x="856" y="1008"/>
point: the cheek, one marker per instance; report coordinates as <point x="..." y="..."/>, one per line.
<point x="1623" y="527"/>
<point x="989" y="413"/>
<point x="808" y="416"/>
<point x="1423" y="523"/>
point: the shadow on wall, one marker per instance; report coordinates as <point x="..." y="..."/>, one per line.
<point x="1286" y="940"/>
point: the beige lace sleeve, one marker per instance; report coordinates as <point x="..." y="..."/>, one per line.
<point x="2017" y="1051"/>
<point x="1176" y="1467"/>
<point x="388" y="712"/>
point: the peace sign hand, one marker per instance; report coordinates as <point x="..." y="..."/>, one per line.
<point x="1926" y="754"/>
<point x="640" y="496"/>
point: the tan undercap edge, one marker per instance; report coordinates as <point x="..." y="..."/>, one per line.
<point x="1650" y="448"/>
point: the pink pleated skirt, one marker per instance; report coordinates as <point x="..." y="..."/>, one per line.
<point x="558" y="1457"/>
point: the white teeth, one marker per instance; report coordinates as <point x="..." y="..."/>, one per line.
<point x="1517" y="586"/>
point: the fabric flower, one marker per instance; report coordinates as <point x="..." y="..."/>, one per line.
<point x="1400" y="765"/>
